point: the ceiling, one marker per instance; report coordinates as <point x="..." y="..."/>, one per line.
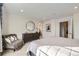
<point x="42" y="10"/>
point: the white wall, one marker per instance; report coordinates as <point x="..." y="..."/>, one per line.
<point x="55" y="28"/>
<point x="52" y="33"/>
<point x="14" y="24"/>
<point x="69" y="19"/>
<point x="4" y="20"/>
<point x="17" y="25"/>
<point x="76" y="25"/>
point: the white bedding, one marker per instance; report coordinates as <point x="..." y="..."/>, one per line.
<point x="57" y="51"/>
<point x="53" y="51"/>
<point x="56" y="42"/>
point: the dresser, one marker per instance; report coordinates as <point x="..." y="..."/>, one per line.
<point x="27" y="37"/>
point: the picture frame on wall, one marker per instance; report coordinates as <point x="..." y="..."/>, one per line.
<point x="48" y="27"/>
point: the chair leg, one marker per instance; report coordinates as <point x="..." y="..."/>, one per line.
<point x="14" y="50"/>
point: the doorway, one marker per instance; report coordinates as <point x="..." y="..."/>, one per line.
<point x="64" y="29"/>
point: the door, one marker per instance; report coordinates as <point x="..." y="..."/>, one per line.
<point x="64" y="29"/>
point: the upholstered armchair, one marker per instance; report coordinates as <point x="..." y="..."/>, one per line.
<point x="12" y="42"/>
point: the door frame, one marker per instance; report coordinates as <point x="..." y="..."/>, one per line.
<point x="66" y="30"/>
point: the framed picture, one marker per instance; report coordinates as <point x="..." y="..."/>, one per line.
<point x="48" y="27"/>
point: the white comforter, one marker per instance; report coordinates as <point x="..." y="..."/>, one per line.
<point x="57" y="51"/>
<point x="64" y="47"/>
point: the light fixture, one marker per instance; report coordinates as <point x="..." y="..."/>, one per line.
<point x="75" y="7"/>
<point x="21" y="10"/>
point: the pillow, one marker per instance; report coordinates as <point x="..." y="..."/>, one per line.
<point x="15" y="38"/>
<point x="12" y="38"/>
<point x="8" y="40"/>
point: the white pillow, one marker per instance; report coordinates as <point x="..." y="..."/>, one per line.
<point x="8" y="40"/>
<point x="12" y="38"/>
<point x="15" y="38"/>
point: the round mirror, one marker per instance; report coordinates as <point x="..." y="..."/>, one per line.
<point x="30" y="26"/>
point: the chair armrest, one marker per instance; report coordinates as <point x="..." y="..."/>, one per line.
<point x="8" y="43"/>
<point x="21" y="40"/>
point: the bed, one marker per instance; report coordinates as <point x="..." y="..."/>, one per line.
<point x="54" y="46"/>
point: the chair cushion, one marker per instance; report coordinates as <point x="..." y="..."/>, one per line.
<point x="12" y="38"/>
<point x="17" y="43"/>
<point x="14" y="42"/>
<point x="15" y="38"/>
<point x="8" y="40"/>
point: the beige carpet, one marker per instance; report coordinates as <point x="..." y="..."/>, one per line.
<point x="21" y="52"/>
